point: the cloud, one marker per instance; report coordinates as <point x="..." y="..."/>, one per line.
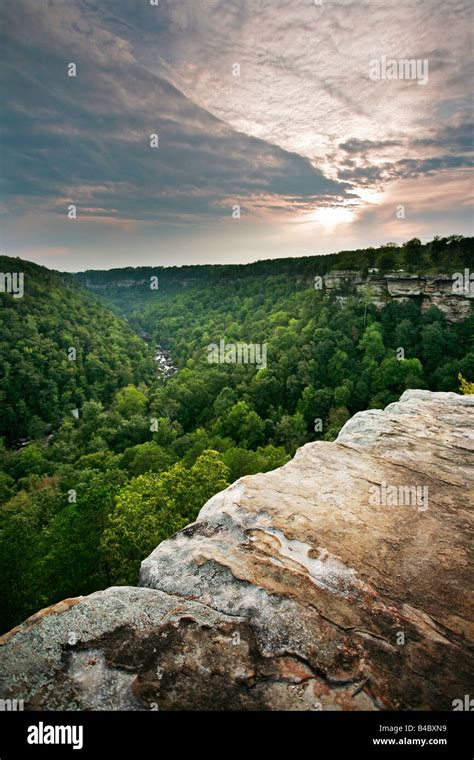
<point x="363" y="146"/>
<point x="459" y="137"/>
<point x="86" y="140"/>
<point x="302" y="126"/>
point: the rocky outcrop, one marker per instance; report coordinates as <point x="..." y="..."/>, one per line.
<point x="440" y="290"/>
<point x="339" y="581"/>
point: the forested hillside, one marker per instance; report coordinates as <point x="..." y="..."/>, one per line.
<point x="91" y="494"/>
<point x="60" y="346"/>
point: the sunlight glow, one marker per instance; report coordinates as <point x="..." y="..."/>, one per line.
<point x="369" y="195"/>
<point x="332" y="216"/>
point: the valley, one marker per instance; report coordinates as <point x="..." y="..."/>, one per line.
<point x="143" y="428"/>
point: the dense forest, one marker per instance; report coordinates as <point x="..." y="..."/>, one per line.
<point x="60" y="346"/>
<point x="104" y="456"/>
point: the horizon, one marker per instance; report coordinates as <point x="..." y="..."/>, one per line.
<point x="226" y="264"/>
<point x="169" y="135"/>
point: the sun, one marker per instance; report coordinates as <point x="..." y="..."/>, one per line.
<point x="332" y="216"/>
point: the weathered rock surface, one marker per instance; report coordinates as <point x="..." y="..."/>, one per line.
<point x="439" y="290"/>
<point x="293" y="590"/>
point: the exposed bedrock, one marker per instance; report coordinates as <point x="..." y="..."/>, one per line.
<point x="342" y="580"/>
<point x="453" y="295"/>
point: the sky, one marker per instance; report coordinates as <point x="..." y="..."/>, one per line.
<point x="284" y="128"/>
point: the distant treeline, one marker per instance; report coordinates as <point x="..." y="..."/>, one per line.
<point x="439" y="255"/>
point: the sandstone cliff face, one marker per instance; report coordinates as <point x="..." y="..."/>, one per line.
<point x="430" y="290"/>
<point x="340" y="581"/>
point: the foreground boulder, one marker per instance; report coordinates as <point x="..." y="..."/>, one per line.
<point x="340" y="581"/>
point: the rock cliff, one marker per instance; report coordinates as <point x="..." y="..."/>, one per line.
<point x="442" y="291"/>
<point x="340" y="581"/>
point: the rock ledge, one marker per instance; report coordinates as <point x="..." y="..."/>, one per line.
<point x="339" y="581"/>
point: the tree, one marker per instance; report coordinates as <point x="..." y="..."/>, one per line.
<point x="19" y="531"/>
<point x="339" y="366"/>
<point x="372" y="344"/>
<point x="338" y="416"/>
<point x="386" y="261"/>
<point x="224" y="401"/>
<point x="7" y="485"/>
<point x="366" y="294"/>
<point x="244" y="425"/>
<point x="435" y="345"/>
<point x="246" y="462"/>
<point x="412" y="252"/>
<point x="406" y="336"/>
<point x="146" y="457"/>
<point x="153" y="507"/>
<point x="130" y="401"/>
<point x="342" y="393"/>
<point x="291" y="431"/>
<point x="466" y="387"/>
<point x="70" y="545"/>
